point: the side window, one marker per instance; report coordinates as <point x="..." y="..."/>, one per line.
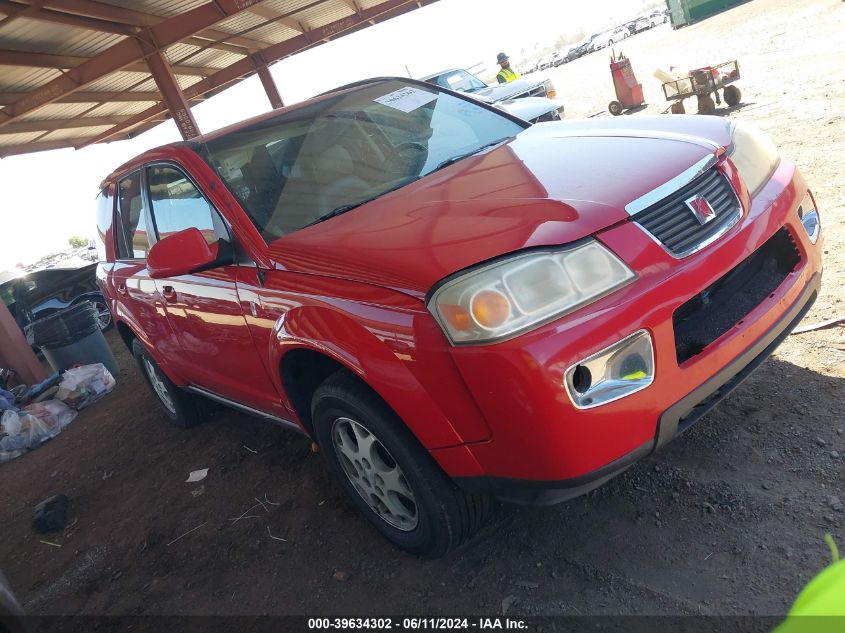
<point x="105" y="222"/>
<point x="178" y="205"/>
<point x="135" y="243"/>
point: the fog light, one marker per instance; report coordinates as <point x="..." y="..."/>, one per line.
<point x="617" y="371"/>
<point x="810" y="218"/>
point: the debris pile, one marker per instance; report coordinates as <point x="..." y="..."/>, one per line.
<point x="33" y="415"/>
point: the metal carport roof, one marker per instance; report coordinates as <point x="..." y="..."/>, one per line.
<point x="77" y="72"/>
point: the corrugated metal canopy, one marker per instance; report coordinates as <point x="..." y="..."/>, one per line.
<point x="77" y="72"/>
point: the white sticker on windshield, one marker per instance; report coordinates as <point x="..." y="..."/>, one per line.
<point x="406" y="99"/>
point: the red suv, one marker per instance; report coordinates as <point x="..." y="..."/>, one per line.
<point x="454" y="304"/>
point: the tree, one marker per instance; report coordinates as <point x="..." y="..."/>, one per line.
<point x="77" y="242"/>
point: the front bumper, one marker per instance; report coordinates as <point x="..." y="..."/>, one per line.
<point x="542" y="448"/>
<point x="674" y="421"/>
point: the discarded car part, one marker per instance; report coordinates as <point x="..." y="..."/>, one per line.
<point x="41" y="293"/>
<point x="51" y="514"/>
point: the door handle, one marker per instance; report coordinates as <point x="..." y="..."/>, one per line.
<point x="169" y="294"/>
<point x="121" y="289"/>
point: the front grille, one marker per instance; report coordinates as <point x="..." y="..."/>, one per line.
<point x="538" y="91"/>
<point x="672" y="222"/>
<point x="715" y="310"/>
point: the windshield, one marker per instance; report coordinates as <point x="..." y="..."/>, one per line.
<point x="296" y="169"/>
<point x="459" y="80"/>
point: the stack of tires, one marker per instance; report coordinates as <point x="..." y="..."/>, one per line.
<point x="73" y="337"/>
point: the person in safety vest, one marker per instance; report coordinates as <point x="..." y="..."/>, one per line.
<point x="507" y="74"/>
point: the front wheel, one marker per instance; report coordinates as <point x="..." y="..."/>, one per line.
<point x="391" y="479"/>
<point x="615" y="108"/>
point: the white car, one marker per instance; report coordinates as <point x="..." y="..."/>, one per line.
<point x="529" y="99"/>
<point x="614" y="36"/>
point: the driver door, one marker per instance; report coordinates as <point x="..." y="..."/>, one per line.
<point x="204" y="309"/>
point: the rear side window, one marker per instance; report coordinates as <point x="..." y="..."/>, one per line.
<point x="135" y="242"/>
<point x="178" y="205"/>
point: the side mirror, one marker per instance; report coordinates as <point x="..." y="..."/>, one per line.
<point x="183" y="253"/>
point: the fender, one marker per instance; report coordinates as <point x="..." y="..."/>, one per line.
<point x="433" y="402"/>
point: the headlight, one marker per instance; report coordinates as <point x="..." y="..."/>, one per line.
<point x="499" y="300"/>
<point x="551" y="92"/>
<point x="754" y="154"/>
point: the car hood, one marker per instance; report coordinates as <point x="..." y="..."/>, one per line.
<point x="511" y="90"/>
<point x="552" y="184"/>
<point x="528" y="108"/>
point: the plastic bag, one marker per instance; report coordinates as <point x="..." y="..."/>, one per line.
<point x="7" y="400"/>
<point x="82" y="386"/>
<point x="36" y="423"/>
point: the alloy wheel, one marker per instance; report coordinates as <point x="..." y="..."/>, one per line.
<point x="374" y="474"/>
<point x="158" y="386"/>
<point x="103" y="315"/>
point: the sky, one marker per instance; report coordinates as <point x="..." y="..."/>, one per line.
<point x="47" y="197"/>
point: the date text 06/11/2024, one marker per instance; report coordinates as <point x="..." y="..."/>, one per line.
<point x="415" y="624"/>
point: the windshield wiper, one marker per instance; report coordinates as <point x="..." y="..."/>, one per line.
<point x="455" y="159"/>
<point x="348" y="207"/>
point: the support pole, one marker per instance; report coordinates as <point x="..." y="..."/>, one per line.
<point x="270" y="88"/>
<point x="174" y="98"/>
<point x="15" y="352"/>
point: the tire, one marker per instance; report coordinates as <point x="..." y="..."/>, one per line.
<point x="183" y="409"/>
<point x="732" y="95"/>
<point x="103" y="313"/>
<point x="706" y="105"/>
<point x="427" y="514"/>
<point x="615" y="108"/>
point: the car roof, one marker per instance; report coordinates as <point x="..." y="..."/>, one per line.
<point x="135" y="162"/>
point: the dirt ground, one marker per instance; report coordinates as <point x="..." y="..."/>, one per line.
<point x="729" y="519"/>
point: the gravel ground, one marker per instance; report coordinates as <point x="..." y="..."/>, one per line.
<point x="728" y="519"/>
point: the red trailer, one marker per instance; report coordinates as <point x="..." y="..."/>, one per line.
<point x="629" y="92"/>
